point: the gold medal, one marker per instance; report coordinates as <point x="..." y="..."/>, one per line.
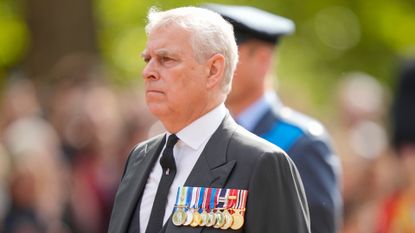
<point x="228" y="220"/>
<point x="211" y="220"/>
<point x="179" y="217"/>
<point x="238" y="220"/>
<point x="220" y="219"/>
<point x="203" y="216"/>
<point x="189" y="218"/>
<point x="196" y="219"/>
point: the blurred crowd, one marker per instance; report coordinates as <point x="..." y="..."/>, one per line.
<point x="63" y="148"/>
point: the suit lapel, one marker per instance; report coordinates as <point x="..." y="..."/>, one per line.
<point x="212" y="168"/>
<point x="131" y="189"/>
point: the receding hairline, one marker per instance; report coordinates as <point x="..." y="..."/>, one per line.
<point x="170" y="50"/>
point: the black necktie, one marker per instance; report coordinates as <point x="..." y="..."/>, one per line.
<point x="169" y="171"/>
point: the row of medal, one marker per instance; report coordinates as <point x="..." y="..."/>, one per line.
<point x="210" y="207"/>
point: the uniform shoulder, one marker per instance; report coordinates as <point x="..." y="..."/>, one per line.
<point x="253" y="142"/>
<point x="307" y="125"/>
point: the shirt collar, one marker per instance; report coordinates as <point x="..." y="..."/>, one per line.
<point x="200" y="130"/>
<point x="250" y="117"/>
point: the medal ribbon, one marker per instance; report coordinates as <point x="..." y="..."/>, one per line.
<point x="212" y="198"/>
<point x="241" y="201"/>
<point x="177" y="198"/>
<point x="200" y="200"/>
<point x="218" y="191"/>
<point x="194" y="197"/>
<point x="208" y="194"/>
<point x="206" y="197"/>
<point x="232" y="198"/>
<point x="244" y="197"/>
<point x="238" y="200"/>
<point x="180" y="198"/>
<point x="188" y="197"/>
<point x="226" y="204"/>
<point x="222" y="198"/>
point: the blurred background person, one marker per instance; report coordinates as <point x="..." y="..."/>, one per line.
<point x="398" y="210"/>
<point x="5" y="167"/>
<point x="95" y="123"/>
<point x="255" y="106"/>
<point x="360" y="139"/>
<point x="64" y="148"/>
<point x="36" y="185"/>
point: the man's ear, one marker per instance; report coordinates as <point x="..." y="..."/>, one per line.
<point x="216" y="69"/>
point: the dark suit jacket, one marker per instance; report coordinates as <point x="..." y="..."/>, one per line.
<point x="233" y="158"/>
<point x="311" y="152"/>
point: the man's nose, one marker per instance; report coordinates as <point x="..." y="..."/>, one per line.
<point x="150" y="71"/>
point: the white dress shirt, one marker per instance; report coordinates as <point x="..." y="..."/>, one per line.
<point x="192" y="140"/>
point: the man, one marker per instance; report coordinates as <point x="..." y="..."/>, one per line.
<point x="191" y="56"/>
<point x="259" y="110"/>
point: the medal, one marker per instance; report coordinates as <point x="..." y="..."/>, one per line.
<point x="228" y="220"/>
<point x="189" y="214"/>
<point x="219" y="218"/>
<point x="205" y="205"/>
<point x="179" y="217"/>
<point x="203" y="216"/>
<point x="210" y="207"/>
<point x="189" y="218"/>
<point x="226" y="204"/>
<point x="238" y="220"/>
<point x="211" y="220"/>
<point x="196" y="219"/>
<point x="221" y="201"/>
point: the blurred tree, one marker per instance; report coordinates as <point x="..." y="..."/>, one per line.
<point x="58" y="28"/>
<point x="332" y="37"/>
<point x="13" y="36"/>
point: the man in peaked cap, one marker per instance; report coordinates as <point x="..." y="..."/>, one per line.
<point x="259" y="110"/>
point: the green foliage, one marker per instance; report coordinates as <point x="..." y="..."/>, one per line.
<point x="14" y="36"/>
<point x="333" y="37"/>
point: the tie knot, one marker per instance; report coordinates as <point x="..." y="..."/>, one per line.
<point x="167" y="159"/>
<point x="171" y="141"/>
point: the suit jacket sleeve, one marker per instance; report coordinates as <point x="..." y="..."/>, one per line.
<point x="319" y="170"/>
<point x="276" y="199"/>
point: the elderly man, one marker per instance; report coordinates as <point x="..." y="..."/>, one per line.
<point x="257" y="108"/>
<point x="205" y="173"/>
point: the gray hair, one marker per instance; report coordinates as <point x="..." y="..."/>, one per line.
<point x="211" y="34"/>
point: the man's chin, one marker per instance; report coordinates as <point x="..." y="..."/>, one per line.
<point x="157" y="110"/>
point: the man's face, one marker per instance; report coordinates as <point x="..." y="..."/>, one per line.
<point x="248" y="80"/>
<point x="175" y="83"/>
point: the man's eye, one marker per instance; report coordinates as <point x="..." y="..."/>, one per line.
<point x="165" y="59"/>
<point x="146" y="59"/>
